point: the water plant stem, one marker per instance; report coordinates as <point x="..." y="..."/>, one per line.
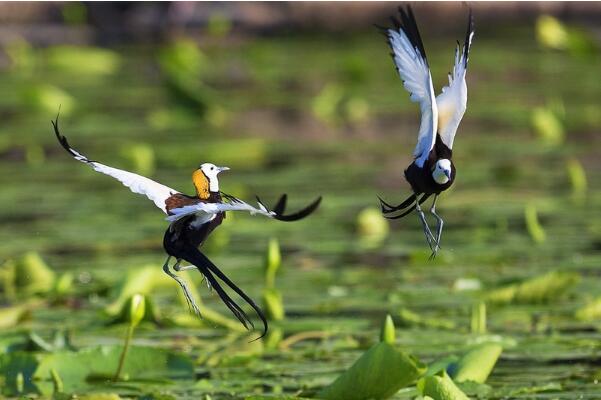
<point x="128" y="336"/>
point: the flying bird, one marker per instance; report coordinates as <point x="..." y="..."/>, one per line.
<point x="191" y="221"/>
<point x="432" y="170"/>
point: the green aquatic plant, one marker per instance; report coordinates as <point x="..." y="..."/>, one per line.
<point x="141" y="157"/>
<point x="440" y="387"/>
<point x="477" y="364"/>
<point x="478" y="318"/>
<point x="83" y="61"/>
<point x="372" y="227"/>
<point x="272" y="297"/>
<point x="578" y="181"/>
<point x="378" y="374"/>
<point x="547" y="126"/>
<point x="535" y="229"/>
<point x="551" y="33"/>
<point x="539" y="289"/>
<point x="412" y="318"/>
<point x="136" y="309"/>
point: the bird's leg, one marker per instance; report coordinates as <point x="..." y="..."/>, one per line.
<point x="427" y="232"/>
<point x="439" y="225"/>
<point x="189" y="299"/>
<point x="179" y="268"/>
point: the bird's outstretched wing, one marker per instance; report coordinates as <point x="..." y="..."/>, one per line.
<point x="136" y="183"/>
<point x="410" y="60"/>
<point x="452" y="102"/>
<point x="231" y="203"/>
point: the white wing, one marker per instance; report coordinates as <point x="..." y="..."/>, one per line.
<point x="452" y="102"/>
<point x="410" y="60"/>
<point x="205" y="211"/>
<point x="136" y="183"/>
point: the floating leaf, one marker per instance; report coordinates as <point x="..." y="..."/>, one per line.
<point x="590" y="312"/>
<point x="141" y="157"/>
<point x="99" y="396"/>
<point x="477" y="364"/>
<point x="378" y="374"/>
<point x="32" y="274"/>
<point x="78" y="369"/>
<point x="326" y="104"/>
<point x="11" y="316"/>
<point x="551" y="33"/>
<point x="547" y="126"/>
<point x="83" y="60"/>
<point x="64" y="284"/>
<point x="409" y="317"/>
<point x="440" y="387"/>
<point x="536" y="231"/>
<point x="357" y="109"/>
<point x="372" y="227"/>
<point x="47" y="98"/>
<point x="539" y="289"/>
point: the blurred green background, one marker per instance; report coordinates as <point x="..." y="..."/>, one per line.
<point x="300" y="99"/>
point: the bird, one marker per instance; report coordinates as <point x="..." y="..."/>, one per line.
<point x="432" y="170"/>
<point x="192" y="218"/>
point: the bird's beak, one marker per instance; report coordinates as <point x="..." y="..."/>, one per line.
<point x="447" y="173"/>
<point x="221" y="169"/>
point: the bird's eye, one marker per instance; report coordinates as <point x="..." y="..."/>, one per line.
<point x="212" y="168"/>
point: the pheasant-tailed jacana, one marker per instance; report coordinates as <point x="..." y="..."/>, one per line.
<point x="432" y="170"/>
<point x="191" y="221"/>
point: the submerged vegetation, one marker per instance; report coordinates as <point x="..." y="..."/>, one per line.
<point x="510" y="308"/>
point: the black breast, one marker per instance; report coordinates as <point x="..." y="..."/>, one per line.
<point x="186" y="232"/>
<point x="421" y="179"/>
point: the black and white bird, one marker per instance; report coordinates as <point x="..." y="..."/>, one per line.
<point x="191" y="221"/>
<point x="432" y="170"/>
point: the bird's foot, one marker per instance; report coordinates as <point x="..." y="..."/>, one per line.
<point x="192" y="306"/>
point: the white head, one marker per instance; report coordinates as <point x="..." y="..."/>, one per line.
<point x="442" y="171"/>
<point x="211" y="171"/>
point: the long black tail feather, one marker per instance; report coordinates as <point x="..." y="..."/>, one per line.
<point x="388" y="208"/>
<point x="407" y="212"/>
<point x="207" y="268"/>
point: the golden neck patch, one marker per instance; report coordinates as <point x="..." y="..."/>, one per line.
<point x="201" y="183"/>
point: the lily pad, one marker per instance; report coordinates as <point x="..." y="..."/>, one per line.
<point x="80" y="369"/>
<point x="378" y="374"/>
<point x="539" y="289"/>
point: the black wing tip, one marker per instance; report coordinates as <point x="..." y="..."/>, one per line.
<point x="408" y="24"/>
<point x="468" y="34"/>
<point x="280" y="208"/>
<point x="65" y="143"/>
<point x="305" y="212"/>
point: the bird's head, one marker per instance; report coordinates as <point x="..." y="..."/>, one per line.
<point x="442" y="171"/>
<point x="205" y="179"/>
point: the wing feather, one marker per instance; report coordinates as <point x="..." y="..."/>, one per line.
<point x="411" y="63"/>
<point x="155" y="191"/>
<point x="452" y="102"/>
<point x="207" y="210"/>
